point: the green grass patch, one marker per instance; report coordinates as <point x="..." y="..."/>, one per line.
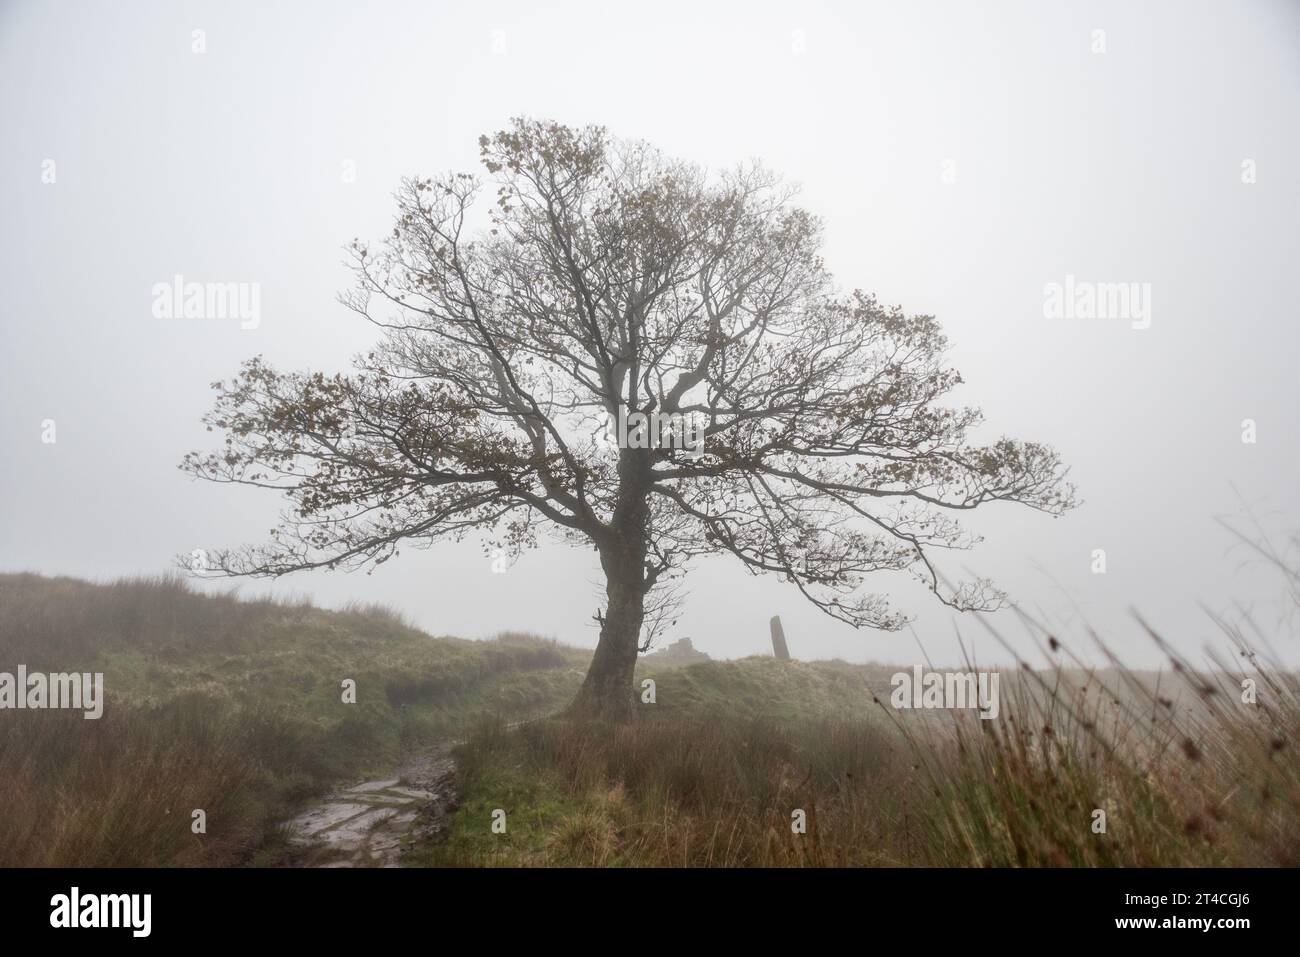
<point x="232" y="707"/>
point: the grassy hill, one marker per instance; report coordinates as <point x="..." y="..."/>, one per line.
<point x="235" y="707"/>
<point x="231" y="706"/>
<point x="758" y="762"/>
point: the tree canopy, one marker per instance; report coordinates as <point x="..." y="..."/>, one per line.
<point x="533" y="317"/>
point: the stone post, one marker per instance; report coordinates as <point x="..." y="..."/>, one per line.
<point x="779" y="648"/>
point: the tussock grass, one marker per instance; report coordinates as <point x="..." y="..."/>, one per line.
<point x="675" y="791"/>
<point x="1214" y="783"/>
<point x="233" y="707"/>
<point x="1186" y="769"/>
<point x="230" y="706"/>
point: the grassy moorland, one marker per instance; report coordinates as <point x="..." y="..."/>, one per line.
<point x="231" y="706"/>
<point x="235" y="707"/>
<point x="705" y="779"/>
<point x="1188" y="767"/>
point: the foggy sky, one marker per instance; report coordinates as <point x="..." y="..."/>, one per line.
<point x="962" y="156"/>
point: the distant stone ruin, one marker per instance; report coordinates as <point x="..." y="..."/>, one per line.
<point x="677" y="655"/>
<point x="779" y="648"/>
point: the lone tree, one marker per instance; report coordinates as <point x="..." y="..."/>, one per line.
<point x="608" y="290"/>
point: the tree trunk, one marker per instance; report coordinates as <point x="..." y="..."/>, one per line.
<point x="608" y="691"/>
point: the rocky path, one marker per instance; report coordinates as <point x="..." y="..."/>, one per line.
<point x="370" y="824"/>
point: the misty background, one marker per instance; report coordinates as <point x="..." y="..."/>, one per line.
<point x="961" y="155"/>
